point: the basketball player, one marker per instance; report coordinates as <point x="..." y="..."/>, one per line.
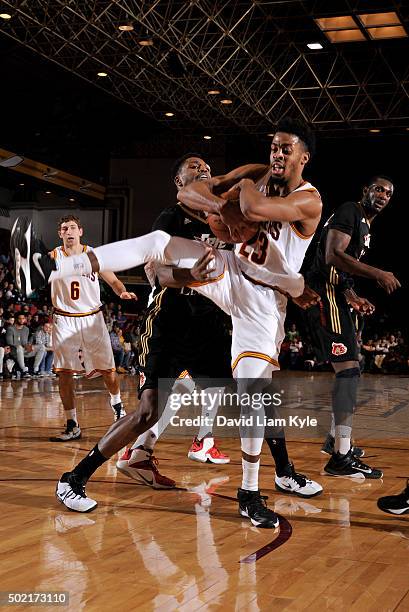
<point x="182" y="334"/>
<point x="344" y="239"/>
<point x="243" y="283"/>
<point x="79" y="323"/>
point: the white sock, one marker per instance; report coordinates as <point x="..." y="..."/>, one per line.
<point x="115" y="399"/>
<point x="149" y="438"/>
<point x="211" y="402"/>
<point x="332" y="427"/>
<point x="342" y="439"/>
<point x="250" y="475"/>
<point x="76" y="265"/>
<point x="71" y="414"/>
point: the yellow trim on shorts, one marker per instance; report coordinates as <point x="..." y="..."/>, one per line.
<point x="208" y="282"/>
<point x="145" y="337"/>
<point x="334" y="311"/>
<point x="57" y="311"/>
<point x="254" y="355"/>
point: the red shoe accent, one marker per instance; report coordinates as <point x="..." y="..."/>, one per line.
<point x="197" y="445"/>
<point x="152" y="476"/>
<point x="216" y="453"/>
<point x="127" y="455"/>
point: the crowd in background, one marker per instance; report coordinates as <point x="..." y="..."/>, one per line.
<point x="26" y="339"/>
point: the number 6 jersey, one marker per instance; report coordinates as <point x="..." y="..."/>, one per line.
<point x="75" y="296"/>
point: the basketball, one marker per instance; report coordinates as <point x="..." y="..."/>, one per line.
<point x="219" y="229"/>
<point x="247" y="229"/>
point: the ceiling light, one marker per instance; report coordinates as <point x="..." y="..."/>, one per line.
<point x="271" y="135"/>
<point x="48" y="192"/>
<point x="102" y="74"/>
<point x="71" y="200"/>
<point x="213" y="92"/>
<point x="145" y="42"/>
<point x="375" y="130"/>
<point x="170" y="114"/>
<point x="207" y="137"/>
<point x="11" y="162"/>
<point x="126" y="27"/>
<point x="21" y="184"/>
<point x="379" y="19"/>
<point x="5" y="16"/>
<point x="315" y="46"/>
<point x="226" y="101"/>
<point x="340" y="36"/>
<point x="387" y="32"/>
<point x="336" y="23"/>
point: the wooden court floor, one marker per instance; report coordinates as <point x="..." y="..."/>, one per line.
<point x="187" y="549"/>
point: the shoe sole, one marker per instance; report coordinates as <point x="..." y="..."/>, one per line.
<point x="142" y="480"/>
<point x="329" y="453"/>
<point x="358" y="476"/>
<point x="72" y="509"/>
<point x="55" y="439"/>
<point x="207" y="460"/>
<point x="256" y="524"/>
<point x="288" y="492"/>
<point x="392" y="511"/>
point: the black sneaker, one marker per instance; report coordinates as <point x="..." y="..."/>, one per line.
<point x="70" y="491"/>
<point x="329" y="444"/>
<point x="32" y="264"/>
<point x="350" y="466"/>
<point x="253" y="506"/>
<point x="118" y="410"/>
<point x="395" y="504"/>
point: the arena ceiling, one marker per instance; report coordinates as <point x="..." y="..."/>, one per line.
<point x="253" y="52"/>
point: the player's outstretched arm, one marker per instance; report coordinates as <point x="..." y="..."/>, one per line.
<point x="335" y="255"/>
<point x="117" y="286"/>
<point x="177" y="278"/>
<point x="203" y="195"/>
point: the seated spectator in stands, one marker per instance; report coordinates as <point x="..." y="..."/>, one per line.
<point x="1" y="316"/>
<point x="18" y="338"/>
<point x="109" y="320"/>
<point x="292" y="333"/>
<point x="11" y="293"/>
<point x="34" y="323"/>
<point x="44" y="311"/>
<point x="4" y="348"/>
<point x="120" y="317"/>
<point x="295" y="352"/>
<point x="43" y="336"/>
<point x="117" y="343"/>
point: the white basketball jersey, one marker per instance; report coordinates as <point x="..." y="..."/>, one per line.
<point x="76" y="295"/>
<point x="276" y="256"/>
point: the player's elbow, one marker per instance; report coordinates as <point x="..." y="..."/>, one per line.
<point x="332" y="257"/>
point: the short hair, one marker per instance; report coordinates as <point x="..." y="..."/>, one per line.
<point x="69" y="218"/>
<point x="178" y="163"/>
<point x="289" y="125"/>
<point x="375" y="177"/>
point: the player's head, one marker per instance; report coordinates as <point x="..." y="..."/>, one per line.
<point x="376" y="194"/>
<point x="70" y="231"/>
<point x="188" y="168"/>
<point x="292" y="147"/>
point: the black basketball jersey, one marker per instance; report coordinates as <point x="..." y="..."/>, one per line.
<point x="181" y="221"/>
<point x="350" y="219"/>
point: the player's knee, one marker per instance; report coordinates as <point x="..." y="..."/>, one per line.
<point x="145" y="415"/>
<point x="160" y="239"/>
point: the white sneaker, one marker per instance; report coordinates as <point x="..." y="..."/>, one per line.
<point x="72" y="494"/>
<point x="297" y="484"/>
<point x="67" y="435"/>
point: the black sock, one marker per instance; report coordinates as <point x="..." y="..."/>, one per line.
<point x="89" y="464"/>
<point x="278" y="450"/>
<point x="71" y="424"/>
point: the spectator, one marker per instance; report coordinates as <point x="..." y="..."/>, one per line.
<point x="43" y="337"/>
<point x="117" y="343"/>
<point x="17" y="337"/>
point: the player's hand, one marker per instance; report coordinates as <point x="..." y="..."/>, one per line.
<point x="128" y="295"/>
<point x="361" y="305"/>
<point x="388" y="281"/>
<point x="203" y="268"/>
<point x="308" y="298"/>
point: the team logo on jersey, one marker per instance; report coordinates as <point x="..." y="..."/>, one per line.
<point x="338" y="349"/>
<point x="142" y="379"/>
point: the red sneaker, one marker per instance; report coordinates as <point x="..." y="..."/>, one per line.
<point x="205" y="450"/>
<point x="141" y="465"/>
